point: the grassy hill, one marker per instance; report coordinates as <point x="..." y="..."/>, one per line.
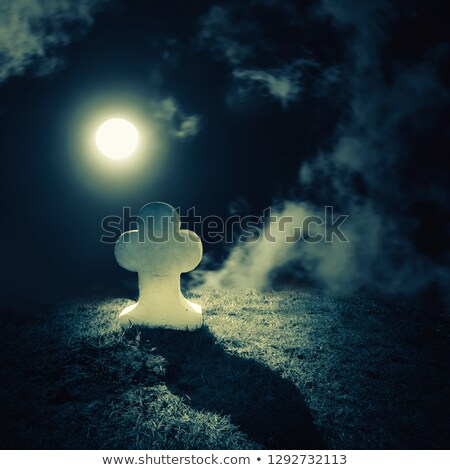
<point x="274" y="369"/>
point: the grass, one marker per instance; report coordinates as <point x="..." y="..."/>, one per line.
<point x="275" y="369"/>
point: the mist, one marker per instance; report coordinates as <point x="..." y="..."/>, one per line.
<point x="379" y="169"/>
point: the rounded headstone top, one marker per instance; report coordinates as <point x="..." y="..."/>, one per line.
<point x="158" y="247"/>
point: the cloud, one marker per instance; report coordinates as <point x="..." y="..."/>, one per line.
<point x="189" y="127"/>
<point x="328" y="79"/>
<point x="180" y="125"/>
<point x="228" y="36"/>
<point x="377" y="170"/>
<point x="237" y="37"/>
<point x="32" y="30"/>
<point x="283" y="84"/>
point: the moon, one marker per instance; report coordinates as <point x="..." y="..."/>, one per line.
<point x="117" y="138"/>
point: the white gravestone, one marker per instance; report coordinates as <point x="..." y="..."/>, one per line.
<point x="159" y="252"/>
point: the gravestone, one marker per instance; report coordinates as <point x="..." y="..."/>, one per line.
<point x="159" y="251"/>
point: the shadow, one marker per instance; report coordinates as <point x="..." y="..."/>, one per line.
<point x="268" y="408"/>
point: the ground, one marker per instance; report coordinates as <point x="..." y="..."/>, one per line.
<point x="289" y="369"/>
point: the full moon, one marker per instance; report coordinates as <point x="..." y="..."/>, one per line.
<point x="117" y="138"/>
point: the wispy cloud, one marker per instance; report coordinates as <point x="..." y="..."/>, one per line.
<point x="189" y="127"/>
<point x="233" y="35"/>
<point x="179" y="124"/>
<point x="282" y="83"/>
<point x="227" y="35"/>
<point x="32" y="30"/>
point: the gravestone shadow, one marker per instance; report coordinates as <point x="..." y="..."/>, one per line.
<point x="265" y="406"/>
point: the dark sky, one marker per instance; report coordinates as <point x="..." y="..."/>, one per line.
<point x="296" y="104"/>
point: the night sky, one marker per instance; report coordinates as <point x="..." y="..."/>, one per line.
<point x="245" y="105"/>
